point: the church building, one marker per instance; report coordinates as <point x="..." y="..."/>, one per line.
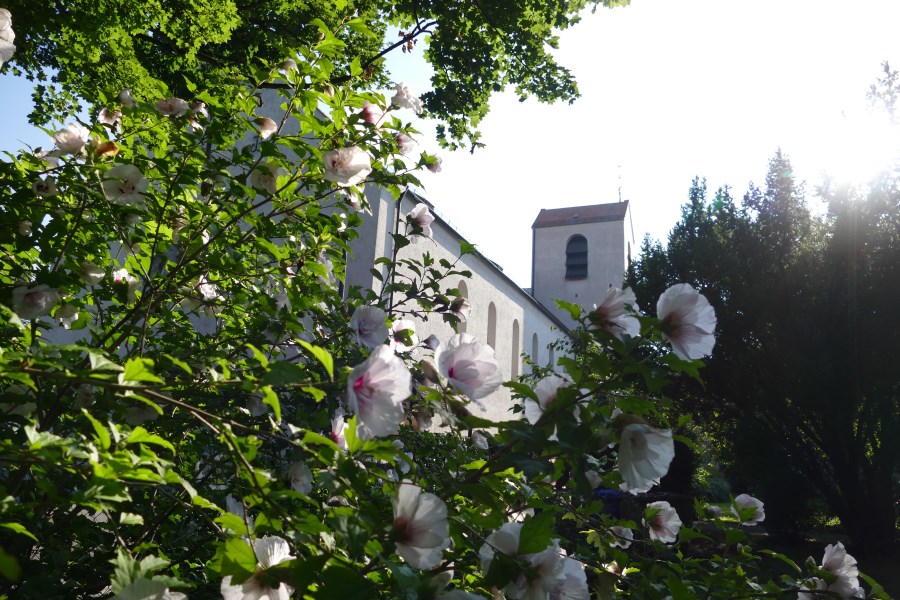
<point x="577" y="254"/>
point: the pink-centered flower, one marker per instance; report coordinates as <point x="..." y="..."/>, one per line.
<point x="110" y="118"/>
<point x="420" y="525"/>
<point x="688" y="321"/>
<point x="376" y="390"/>
<point x="266" y="127"/>
<point x="265" y="177"/>
<point x="663" y="521"/>
<point x="172" y="107"/>
<point x="571" y="584"/>
<point x="122" y="277"/>
<point x="66" y="315"/>
<point x="461" y="307"/>
<point x="546" y="390"/>
<point x="843" y="566"/>
<point x="613" y="315"/>
<point x="91" y="273"/>
<point x="469" y="366"/>
<point x="405" y="143"/>
<point x="72" y="138"/>
<point x="644" y="456"/>
<point x="33" y="302"/>
<point x="301" y="477"/>
<point x="746" y="502"/>
<point x="435" y="165"/>
<point x="346" y="166"/>
<point x="372" y="113"/>
<point x="622" y="536"/>
<point x="546" y="567"/>
<point x="420" y="219"/>
<point x="403" y="98"/>
<point x="125" y="184"/>
<point x="270" y="551"/>
<point x="199" y="109"/>
<point x="339" y="430"/>
<point x="45" y="187"/>
<point x="368" y="326"/>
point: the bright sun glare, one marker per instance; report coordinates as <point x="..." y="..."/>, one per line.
<point x="857" y="147"/>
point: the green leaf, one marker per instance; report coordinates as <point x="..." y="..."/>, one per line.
<point x="20" y="529"/>
<point x="353" y="441"/>
<point x="99" y="362"/>
<point x="521" y="389"/>
<point x="139" y="435"/>
<point x="686" y="533"/>
<point x="573" y="309"/>
<point x="322" y="355"/>
<point x="466" y="248"/>
<point x="733" y="536"/>
<point x="101" y="431"/>
<point x="233" y="522"/>
<point x="311" y="437"/>
<point x="341" y="583"/>
<point x="502" y="570"/>
<point x="179" y="363"/>
<point x="236" y="558"/>
<point x="271" y="398"/>
<point x="359" y="26"/>
<point x="284" y="373"/>
<point x="139" y="369"/>
<point x="9" y="567"/>
<point x="127" y="518"/>
<point x="315" y="392"/>
<point x="536" y="533"/>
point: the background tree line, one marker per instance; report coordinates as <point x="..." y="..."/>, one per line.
<point x="802" y="394"/>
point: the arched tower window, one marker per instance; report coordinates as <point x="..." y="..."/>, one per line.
<point x="552" y="361"/>
<point x="535" y="348"/>
<point x="514" y="366"/>
<point x="464" y="293"/>
<point x="577" y="257"/>
<point x="492" y="326"/>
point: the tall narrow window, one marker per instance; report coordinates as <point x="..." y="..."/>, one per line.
<point x="552" y="362"/>
<point x="577" y="258"/>
<point x="535" y="348"/>
<point x="514" y="368"/>
<point x="492" y="326"/>
<point x="464" y="293"/>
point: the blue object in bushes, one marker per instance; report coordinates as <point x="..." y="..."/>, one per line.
<point x="611" y="501"/>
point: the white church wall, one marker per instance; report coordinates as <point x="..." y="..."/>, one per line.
<point x="518" y="317"/>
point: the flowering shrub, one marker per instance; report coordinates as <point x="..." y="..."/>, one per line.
<point x="221" y="418"/>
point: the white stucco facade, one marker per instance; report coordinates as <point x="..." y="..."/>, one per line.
<point x="502" y="314"/>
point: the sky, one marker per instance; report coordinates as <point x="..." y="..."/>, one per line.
<point x="670" y="91"/>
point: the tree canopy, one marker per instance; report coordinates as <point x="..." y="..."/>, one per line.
<point x="74" y="48"/>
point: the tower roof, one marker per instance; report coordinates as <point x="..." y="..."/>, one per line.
<point x="573" y="215"/>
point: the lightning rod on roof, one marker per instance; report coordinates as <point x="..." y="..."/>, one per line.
<point x="619" y="169"/>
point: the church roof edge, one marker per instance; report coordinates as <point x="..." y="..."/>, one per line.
<point x="416" y="196"/>
<point x="574" y="215"/>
